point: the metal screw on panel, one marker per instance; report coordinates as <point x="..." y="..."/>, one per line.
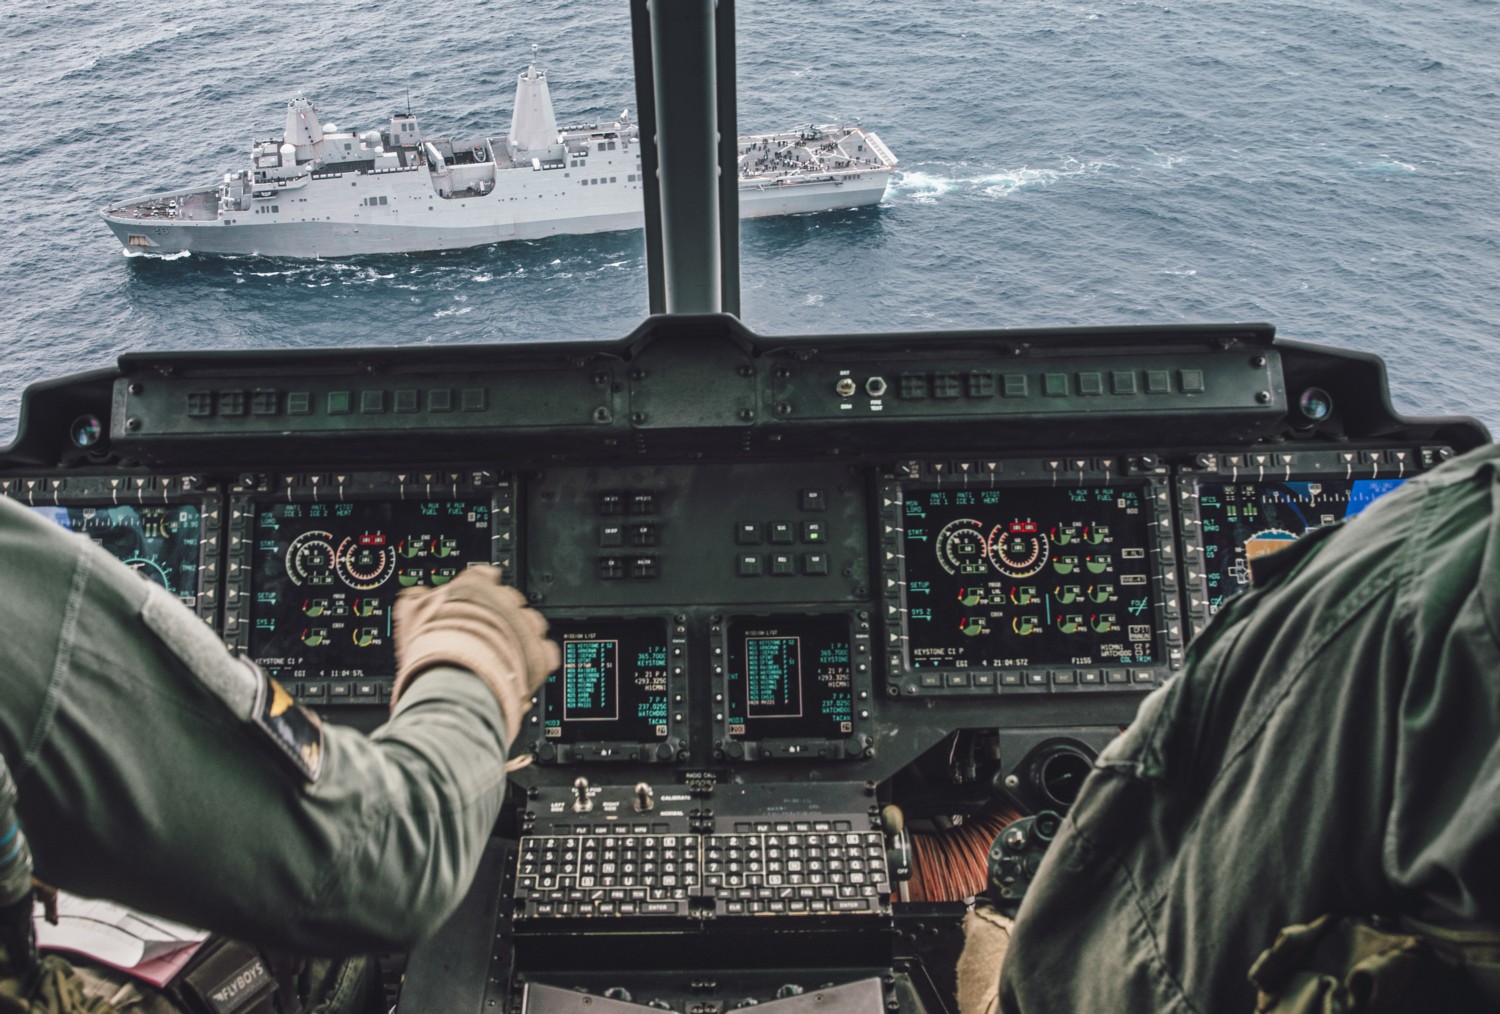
<point x="783" y="409"/>
<point x="638" y="418"/>
<point x="1258" y="361"/>
<point x="132" y="423"/>
<point x="747" y="414"/>
<point x="1263" y="397"/>
<point x="135" y="388"/>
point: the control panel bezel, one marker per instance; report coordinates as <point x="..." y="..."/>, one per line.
<point x="251" y="491"/>
<point x="858" y="744"/>
<point x="84" y="491"/>
<point x="670" y="748"/>
<point x="1142" y="472"/>
<point x="1289" y="465"/>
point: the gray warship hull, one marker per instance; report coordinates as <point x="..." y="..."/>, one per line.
<point x="321" y="192"/>
<point x="166" y="234"/>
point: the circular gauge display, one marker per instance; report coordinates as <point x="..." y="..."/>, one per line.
<point x="149" y="569"/>
<point x="961" y="547"/>
<point x="1018" y="548"/>
<point x="309" y="559"/>
<point x="365" y="562"/>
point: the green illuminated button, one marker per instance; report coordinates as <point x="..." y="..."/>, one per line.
<point x="814" y="531"/>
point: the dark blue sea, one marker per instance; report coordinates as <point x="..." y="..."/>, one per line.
<point x="1325" y="165"/>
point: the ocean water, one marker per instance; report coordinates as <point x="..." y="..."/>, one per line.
<point x="1325" y="165"/>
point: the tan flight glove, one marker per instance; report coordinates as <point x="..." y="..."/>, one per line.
<point x="986" y="939"/>
<point x="475" y="623"/>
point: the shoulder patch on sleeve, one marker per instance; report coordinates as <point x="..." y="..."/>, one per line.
<point x="296" y="731"/>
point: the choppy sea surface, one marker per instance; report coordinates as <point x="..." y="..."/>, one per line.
<point x="1325" y="165"/>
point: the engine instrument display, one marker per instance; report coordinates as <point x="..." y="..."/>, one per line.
<point x="789" y="678"/>
<point x="1021" y="576"/>
<point x="612" y="687"/>
<point x="325" y="575"/>
<point x="161" y="543"/>
<point x="1241" y="521"/>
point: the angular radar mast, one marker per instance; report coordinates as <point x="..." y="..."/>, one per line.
<point x="533" y="125"/>
<point x="303" y="130"/>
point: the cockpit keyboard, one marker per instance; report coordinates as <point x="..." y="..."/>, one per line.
<point x="759" y="868"/>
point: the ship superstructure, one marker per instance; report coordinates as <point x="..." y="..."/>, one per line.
<point x="318" y="191"/>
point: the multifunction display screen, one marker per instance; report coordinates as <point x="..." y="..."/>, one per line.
<point x="1022" y="576"/>
<point x="1243" y="520"/>
<point x="326" y="574"/>
<point x="161" y="543"/>
<point x="789" y="677"/>
<point x="612" y="687"/>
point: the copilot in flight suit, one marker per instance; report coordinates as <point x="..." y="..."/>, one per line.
<point x="1332" y="746"/>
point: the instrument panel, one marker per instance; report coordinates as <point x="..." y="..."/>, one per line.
<point x="1022" y="576"/>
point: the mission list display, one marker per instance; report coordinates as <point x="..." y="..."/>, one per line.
<point x="789" y="678"/>
<point x="612" y="687"/>
<point x="1016" y="577"/>
<point x="325" y="576"/>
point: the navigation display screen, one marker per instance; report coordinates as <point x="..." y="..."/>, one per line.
<point x="160" y="543"/>
<point x="612" y="687"/>
<point x="1023" y="576"/>
<point x="1243" y="520"/>
<point x="789" y="677"/>
<point x="324" y="577"/>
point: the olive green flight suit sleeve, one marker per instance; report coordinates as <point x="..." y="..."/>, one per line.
<point x="142" y="780"/>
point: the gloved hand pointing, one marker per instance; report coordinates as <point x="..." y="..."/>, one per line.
<point x="475" y="623"/>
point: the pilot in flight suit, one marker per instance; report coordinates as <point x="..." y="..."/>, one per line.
<point x="157" y="770"/>
<point x="1332" y="746"/>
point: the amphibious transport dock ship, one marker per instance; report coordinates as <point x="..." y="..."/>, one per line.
<point x="322" y="192"/>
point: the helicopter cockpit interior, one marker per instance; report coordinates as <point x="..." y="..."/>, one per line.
<point x="834" y="609"/>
